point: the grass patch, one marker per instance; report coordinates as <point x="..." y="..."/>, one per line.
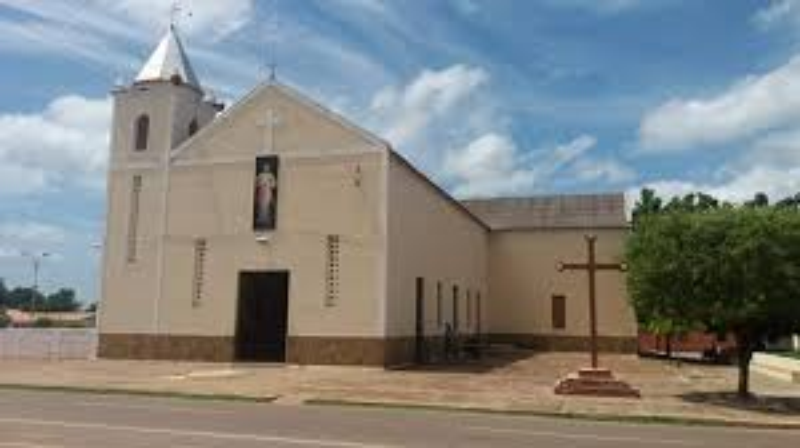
<point x="137" y="393"/>
<point x="637" y="419"/>
<point x="792" y="355"/>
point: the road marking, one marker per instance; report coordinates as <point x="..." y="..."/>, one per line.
<point x="192" y="433"/>
<point x="595" y="437"/>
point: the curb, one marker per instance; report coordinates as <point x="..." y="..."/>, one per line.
<point x="646" y="419"/>
<point x="137" y="393"/>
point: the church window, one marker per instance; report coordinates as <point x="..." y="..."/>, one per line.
<point x="439" y="304"/>
<point x="193" y="127"/>
<point x="455" y="307"/>
<point x="133" y="218"/>
<point x="559" y="309"/>
<point x="478" y="316"/>
<point x="469" y="309"/>
<point x="332" y="271"/>
<point x="142" y="132"/>
<point x="200" y="250"/>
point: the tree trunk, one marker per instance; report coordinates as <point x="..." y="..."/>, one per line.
<point x="669" y="345"/>
<point x="744" y="350"/>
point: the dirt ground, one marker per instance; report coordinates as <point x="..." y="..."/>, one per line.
<point x="506" y="381"/>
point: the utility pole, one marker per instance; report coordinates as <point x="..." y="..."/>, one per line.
<point x="36" y="260"/>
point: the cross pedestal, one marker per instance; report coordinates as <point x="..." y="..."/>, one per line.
<point x="594" y="381"/>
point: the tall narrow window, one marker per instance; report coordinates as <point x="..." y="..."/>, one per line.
<point x="439" y="315"/>
<point x="332" y="271"/>
<point x="419" y="324"/>
<point x="559" y="304"/>
<point x="455" y="307"/>
<point x="133" y="218"/>
<point x="142" y="132"/>
<point x="478" y="316"/>
<point x="193" y="127"/>
<point x="200" y="249"/>
<point x="469" y="309"/>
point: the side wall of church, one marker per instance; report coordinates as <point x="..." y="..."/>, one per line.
<point x="523" y="280"/>
<point x="433" y="239"/>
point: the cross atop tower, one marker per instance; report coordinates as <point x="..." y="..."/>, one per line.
<point x="175" y="13"/>
<point x="271" y="41"/>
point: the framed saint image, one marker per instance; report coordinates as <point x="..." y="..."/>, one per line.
<point x="265" y="193"/>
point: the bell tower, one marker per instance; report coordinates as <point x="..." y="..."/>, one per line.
<point x="162" y="108"/>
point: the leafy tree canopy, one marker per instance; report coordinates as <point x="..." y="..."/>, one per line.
<point x="700" y="264"/>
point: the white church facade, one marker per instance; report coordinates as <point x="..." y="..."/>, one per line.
<point x="277" y="230"/>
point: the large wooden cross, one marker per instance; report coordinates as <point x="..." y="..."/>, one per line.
<point x="591" y="266"/>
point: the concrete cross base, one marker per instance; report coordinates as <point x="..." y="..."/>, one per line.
<point x="595" y="382"/>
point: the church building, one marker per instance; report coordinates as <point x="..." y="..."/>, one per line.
<point x="277" y="230"/>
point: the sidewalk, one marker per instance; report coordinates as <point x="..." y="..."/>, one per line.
<point x="519" y="382"/>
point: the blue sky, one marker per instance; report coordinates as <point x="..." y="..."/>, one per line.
<point x="489" y="97"/>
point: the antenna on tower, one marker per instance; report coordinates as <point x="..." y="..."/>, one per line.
<point x="271" y="41"/>
<point x="175" y="14"/>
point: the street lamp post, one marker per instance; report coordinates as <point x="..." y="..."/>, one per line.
<point x="36" y="260"/>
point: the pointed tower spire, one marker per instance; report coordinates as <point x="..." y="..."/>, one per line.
<point x="168" y="61"/>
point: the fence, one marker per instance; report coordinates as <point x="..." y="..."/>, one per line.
<point x="48" y="343"/>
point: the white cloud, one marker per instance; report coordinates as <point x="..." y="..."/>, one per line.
<point x="20" y="238"/>
<point x="114" y="17"/>
<point x="606" y="170"/>
<point x="599" y="6"/>
<point x="31" y="232"/>
<point x="489" y="166"/>
<point x="405" y="113"/>
<point x="198" y="17"/>
<point x="778" y="12"/>
<point x="493" y="165"/>
<point x="753" y="105"/>
<point x="6" y="253"/>
<point x="65" y="144"/>
<point x="776" y="183"/>
<point x="777" y="149"/>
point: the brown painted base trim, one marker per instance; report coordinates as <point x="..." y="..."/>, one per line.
<point x="562" y="343"/>
<point x="379" y="352"/>
<point x="166" y="347"/>
<point x="322" y="350"/>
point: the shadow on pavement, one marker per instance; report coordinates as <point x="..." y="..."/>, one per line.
<point x="768" y="404"/>
<point x="488" y="361"/>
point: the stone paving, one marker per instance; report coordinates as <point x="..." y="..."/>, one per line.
<point x="511" y="381"/>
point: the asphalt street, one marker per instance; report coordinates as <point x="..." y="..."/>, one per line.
<point x="55" y="420"/>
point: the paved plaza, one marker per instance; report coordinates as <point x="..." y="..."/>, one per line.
<point x="510" y="381"/>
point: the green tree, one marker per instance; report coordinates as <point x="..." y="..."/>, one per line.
<point x="24" y="299"/>
<point x="647" y="204"/>
<point x="3" y="293"/>
<point x="728" y="270"/>
<point x="657" y="258"/>
<point x="62" y="300"/>
<point x="5" y="321"/>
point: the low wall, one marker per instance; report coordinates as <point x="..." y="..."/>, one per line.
<point x="48" y="343"/>
<point x="780" y="367"/>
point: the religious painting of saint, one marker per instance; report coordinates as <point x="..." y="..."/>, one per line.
<point x="265" y="196"/>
